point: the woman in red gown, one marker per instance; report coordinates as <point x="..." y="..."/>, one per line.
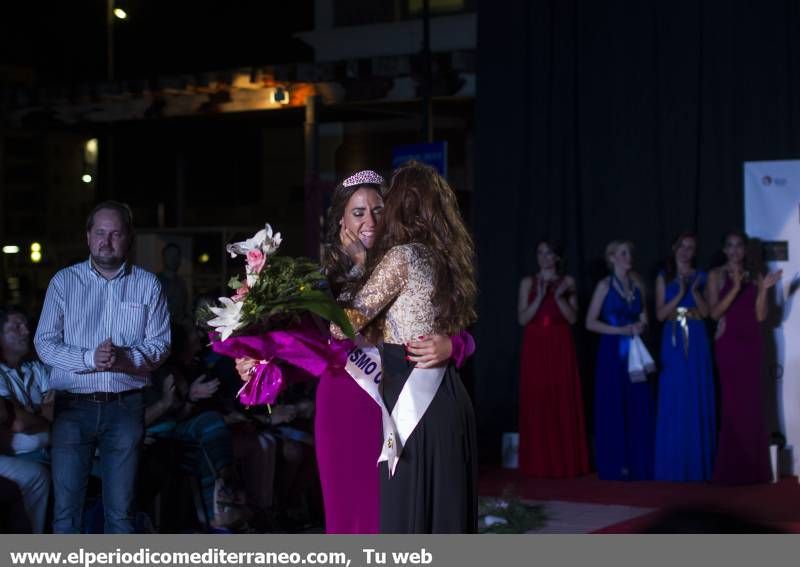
<point x="552" y="438"/>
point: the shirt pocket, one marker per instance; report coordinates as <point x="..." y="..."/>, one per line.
<point x="129" y="324"/>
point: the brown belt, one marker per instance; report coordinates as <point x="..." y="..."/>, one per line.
<point x="101" y="397"/>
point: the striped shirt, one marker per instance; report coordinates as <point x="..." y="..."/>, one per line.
<point x="27" y="386"/>
<point x="82" y="309"/>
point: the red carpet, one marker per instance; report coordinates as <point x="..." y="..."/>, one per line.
<point x="775" y="506"/>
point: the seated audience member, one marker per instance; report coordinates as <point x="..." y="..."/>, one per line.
<point x="32" y="479"/>
<point x="25" y="383"/>
<point x="175" y="410"/>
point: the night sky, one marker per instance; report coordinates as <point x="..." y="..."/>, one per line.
<point x="65" y="41"/>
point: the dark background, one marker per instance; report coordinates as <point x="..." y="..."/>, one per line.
<point x="616" y="120"/>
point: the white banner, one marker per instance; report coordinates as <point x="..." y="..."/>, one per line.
<point x="772" y="215"/>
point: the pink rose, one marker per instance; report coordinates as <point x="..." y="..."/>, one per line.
<point x="241" y="293"/>
<point x="255" y="260"/>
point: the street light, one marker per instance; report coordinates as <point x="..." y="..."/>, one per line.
<point x="11" y="249"/>
<point x="111" y="14"/>
<point x="86" y="178"/>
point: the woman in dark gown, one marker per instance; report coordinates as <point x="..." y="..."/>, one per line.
<point x="347" y="425"/>
<point x="420" y="281"/>
<point x="624" y="411"/>
<point x="686" y="428"/>
<point x="738" y="300"/>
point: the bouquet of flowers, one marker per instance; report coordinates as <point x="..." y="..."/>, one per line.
<point x="267" y="317"/>
<point x="509" y="515"/>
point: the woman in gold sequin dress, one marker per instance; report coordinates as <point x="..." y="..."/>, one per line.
<point x="420" y="281"/>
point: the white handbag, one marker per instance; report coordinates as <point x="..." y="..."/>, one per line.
<point x="640" y="363"/>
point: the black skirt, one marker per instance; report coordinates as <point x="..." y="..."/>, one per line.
<point x="434" y="488"/>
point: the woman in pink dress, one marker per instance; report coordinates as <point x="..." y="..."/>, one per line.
<point x="738" y="301"/>
<point x="347" y="425"/>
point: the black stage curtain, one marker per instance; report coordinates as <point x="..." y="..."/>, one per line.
<point x="608" y="119"/>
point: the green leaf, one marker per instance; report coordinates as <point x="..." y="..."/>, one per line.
<point x="234" y="283"/>
<point x="323" y="305"/>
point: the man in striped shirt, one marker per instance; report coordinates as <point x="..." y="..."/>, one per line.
<point x="104" y="329"/>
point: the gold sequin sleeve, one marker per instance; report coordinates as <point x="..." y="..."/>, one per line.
<point x="386" y="282"/>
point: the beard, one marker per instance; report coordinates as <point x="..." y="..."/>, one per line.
<point x="108" y="261"/>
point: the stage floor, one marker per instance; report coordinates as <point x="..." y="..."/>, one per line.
<point x="589" y="505"/>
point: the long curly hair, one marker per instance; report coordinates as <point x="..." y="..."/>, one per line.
<point x="335" y="262"/>
<point x="420" y="207"/>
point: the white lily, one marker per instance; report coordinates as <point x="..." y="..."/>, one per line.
<point x="228" y="317"/>
<point x="264" y="240"/>
<point x="271" y="241"/>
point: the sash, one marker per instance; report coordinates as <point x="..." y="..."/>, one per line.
<point x="364" y="365"/>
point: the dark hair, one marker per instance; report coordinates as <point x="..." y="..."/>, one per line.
<point x="335" y="261"/>
<point x="738" y="233"/>
<point x="748" y="260"/>
<point x="8" y="311"/>
<point x="671" y="269"/>
<point x="420" y="207"/>
<point x="556" y="248"/>
<point x="123" y="210"/>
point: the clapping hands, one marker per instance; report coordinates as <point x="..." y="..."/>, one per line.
<point x="563" y="288"/>
<point x="105" y="355"/>
<point x="202" y="389"/>
<point x="771" y="279"/>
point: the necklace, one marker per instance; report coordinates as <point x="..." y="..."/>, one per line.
<point x="627" y="293"/>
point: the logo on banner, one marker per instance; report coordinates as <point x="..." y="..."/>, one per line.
<point x="767" y="180"/>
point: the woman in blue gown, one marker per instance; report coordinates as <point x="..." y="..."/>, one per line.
<point x="686" y="418"/>
<point x="624" y="410"/>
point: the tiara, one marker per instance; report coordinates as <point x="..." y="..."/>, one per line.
<point x="366" y="177"/>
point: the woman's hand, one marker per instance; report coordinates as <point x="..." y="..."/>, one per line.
<point x="429" y="352"/>
<point x="202" y="389"/>
<point x="634" y="329"/>
<point x="771" y="279"/>
<point x="696" y="286"/>
<point x="244" y="366"/>
<point x="563" y="288"/>
<point x="541" y="288"/>
<point x="737" y="277"/>
<point x="352" y="246"/>
<point x="681" y="286"/>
